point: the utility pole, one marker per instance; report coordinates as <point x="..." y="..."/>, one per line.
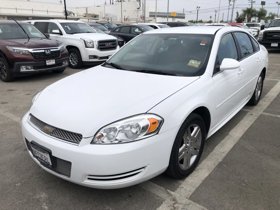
<point x="219" y="10"/>
<point x="167" y="10"/>
<point x="252" y="2"/>
<point x="215" y="16"/>
<point x="232" y="11"/>
<point x="121" y="12"/>
<point x="197" y="10"/>
<point x="278" y="3"/>
<point x="156" y="12"/>
<point x="144" y="11"/>
<point x="228" y="10"/>
<point x="65" y="9"/>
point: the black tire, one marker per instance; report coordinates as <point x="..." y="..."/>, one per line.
<point x="6" y="73"/>
<point x="257" y="92"/>
<point x="58" y="71"/>
<point x="177" y="168"/>
<point x="75" y="59"/>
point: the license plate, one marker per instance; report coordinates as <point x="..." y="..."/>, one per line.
<point x="50" y="62"/>
<point x="42" y="155"/>
<point x="274" y="44"/>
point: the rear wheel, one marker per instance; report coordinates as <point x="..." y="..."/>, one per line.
<point x="187" y="148"/>
<point x="257" y="92"/>
<point x="6" y="73"/>
<point x="75" y="59"/>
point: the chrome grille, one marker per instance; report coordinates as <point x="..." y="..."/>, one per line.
<point x="46" y="54"/>
<point x="107" y="45"/>
<point x="56" y="132"/>
<point x="272" y="35"/>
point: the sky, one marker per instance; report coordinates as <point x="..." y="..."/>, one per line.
<point x="207" y="7"/>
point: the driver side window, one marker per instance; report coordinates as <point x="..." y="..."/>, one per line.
<point x="227" y="49"/>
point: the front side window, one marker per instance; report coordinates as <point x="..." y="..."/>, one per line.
<point x="227" y="49"/>
<point x="125" y="29"/>
<point x="135" y="30"/>
<point x="76" y="28"/>
<point x="42" y="26"/>
<point x="245" y="44"/>
<point x="167" y="54"/>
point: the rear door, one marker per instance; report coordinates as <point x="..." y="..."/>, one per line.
<point x="249" y="63"/>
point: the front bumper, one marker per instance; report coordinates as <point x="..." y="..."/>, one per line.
<point x="39" y="66"/>
<point x="103" y="166"/>
<point x="270" y="44"/>
<point x="91" y="55"/>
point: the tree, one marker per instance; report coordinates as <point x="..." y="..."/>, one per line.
<point x="270" y="16"/>
<point x="261" y="14"/>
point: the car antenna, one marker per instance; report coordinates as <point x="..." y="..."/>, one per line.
<point x="21" y="28"/>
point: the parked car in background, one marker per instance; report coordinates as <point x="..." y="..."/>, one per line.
<point x="24" y="50"/>
<point x="154" y="25"/>
<point x="108" y="25"/>
<point x="254" y="25"/>
<point x="270" y="36"/>
<point x="85" y="46"/>
<point x="175" y="24"/>
<point x="99" y="27"/>
<point x="253" y="31"/>
<point x="148" y="109"/>
<point x="102" y="29"/>
<point x="128" y="32"/>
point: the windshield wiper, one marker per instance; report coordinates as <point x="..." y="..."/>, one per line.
<point x="116" y="66"/>
<point x="157" y="72"/>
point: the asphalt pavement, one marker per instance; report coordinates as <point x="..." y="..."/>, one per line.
<point x="239" y="169"/>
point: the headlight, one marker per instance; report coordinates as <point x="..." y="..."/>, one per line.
<point x="128" y="130"/>
<point x="260" y="37"/>
<point x="36" y="96"/>
<point x="89" y="43"/>
<point x="19" y="51"/>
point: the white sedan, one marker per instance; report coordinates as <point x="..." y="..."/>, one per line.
<point x="148" y="109"/>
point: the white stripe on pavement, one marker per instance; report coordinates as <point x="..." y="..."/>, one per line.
<point x="192" y="182"/>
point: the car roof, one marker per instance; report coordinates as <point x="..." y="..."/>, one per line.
<point x="211" y="30"/>
<point x="57" y="20"/>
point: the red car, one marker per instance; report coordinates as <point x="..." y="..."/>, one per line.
<point x="24" y="50"/>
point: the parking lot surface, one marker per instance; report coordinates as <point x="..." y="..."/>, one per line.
<point x="239" y="169"/>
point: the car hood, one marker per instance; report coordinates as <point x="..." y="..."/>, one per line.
<point x="91" y="99"/>
<point x="31" y="43"/>
<point x="94" y="36"/>
<point x="272" y="29"/>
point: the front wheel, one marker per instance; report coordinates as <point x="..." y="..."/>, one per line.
<point x="75" y="59"/>
<point x="257" y="92"/>
<point x="6" y="73"/>
<point x="187" y="147"/>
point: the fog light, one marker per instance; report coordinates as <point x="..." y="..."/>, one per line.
<point x="93" y="57"/>
<point x="65" y="63"/>
<point x="26" y="68"/>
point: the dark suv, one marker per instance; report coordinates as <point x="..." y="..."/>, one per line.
<point x="24" y="49"/>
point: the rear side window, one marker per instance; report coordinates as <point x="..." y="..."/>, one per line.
<point x="52" y="28"/>
<point x="135" y="30"/>
<point x="125" y="30"/>
<point x="42" y="26"/>
<point x="255" y="45"/>
<point x="245" y="44"/>
<point x="227" y="49"/>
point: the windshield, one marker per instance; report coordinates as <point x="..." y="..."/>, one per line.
<point x="14" y="31"/>
<point x="170" y="54"/>
<point x="76" y="28"/>
<point x="275" y="23"/>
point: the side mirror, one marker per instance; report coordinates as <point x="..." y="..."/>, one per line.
<point x="262" y="27"/>
<point x="229" y="64"/>
<point x="56" y="31"/>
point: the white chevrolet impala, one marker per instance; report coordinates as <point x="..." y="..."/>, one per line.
<point x="148" y="109"/>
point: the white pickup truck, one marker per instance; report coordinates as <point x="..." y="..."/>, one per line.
<point x="82" y="42"/>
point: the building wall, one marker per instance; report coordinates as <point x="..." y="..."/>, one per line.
<point x="24" y="9"/>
